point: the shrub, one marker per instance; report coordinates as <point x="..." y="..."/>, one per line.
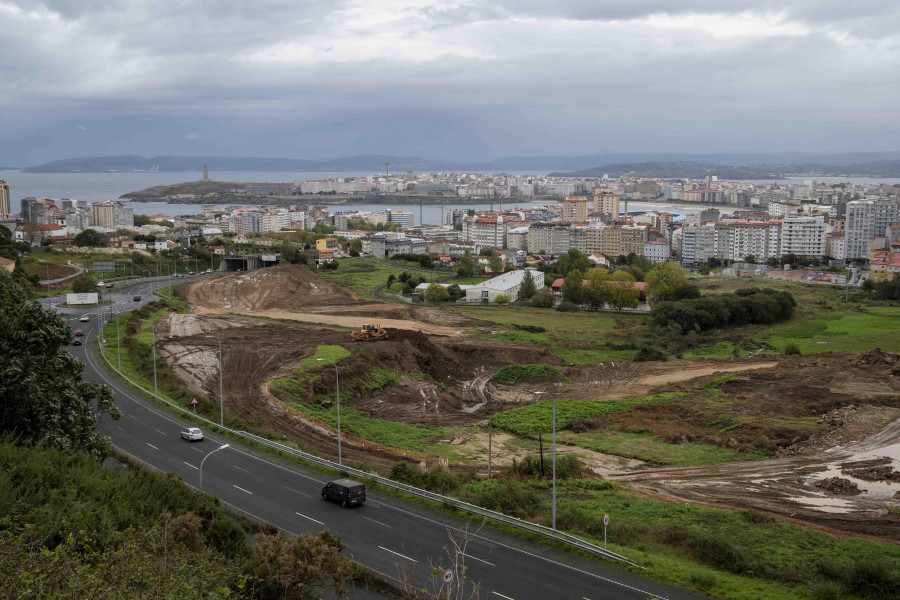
<point x="511" y="374"/>
<point x="825" y="590"/>
<point x="566" y="306"/>
<point x="542" y="299"/>
<point x="650" y="353"/>
<point x="791" y="348"/>
<point x="703" y="579"/>
<point x="502" y="299"/>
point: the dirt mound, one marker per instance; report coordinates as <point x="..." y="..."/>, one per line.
<point x="285" y="287"/>
<point x="877" y="469"/>
<point x="876" y="357"/>
<point x="839" y="486"/>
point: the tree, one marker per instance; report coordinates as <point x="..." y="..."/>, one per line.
<point x="573" y="287"/>
<point x="663" y="280"/>
<point x="496" y="263"/>
<point x="43" y="400"/>
<point x="88" y="238"/>
<point x="466" y="265"/>
<point x="593" y="294"/>
<point x="83" y="284"/>
<point x="620" y="291"/>
<point x="528" y="288"/>
<point x="436" y="293"/>
<point x="750" y="258"/>
<point x="772" y="262"/>
<point x="455" y="292"/>
<point x="571" y="260"/>
<point x="543" y="299"/>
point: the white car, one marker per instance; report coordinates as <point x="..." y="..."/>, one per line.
<point x="192" y="434"/>
<point x="84" y="318"/>
<point x="100" y="284"/>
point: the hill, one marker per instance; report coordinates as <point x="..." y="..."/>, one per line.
<point x="196" y="188"/>
<point x="679" y="169"/>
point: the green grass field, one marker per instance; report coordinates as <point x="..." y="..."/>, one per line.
<point x="361" y="275"/>
<point x="844" y="331"/>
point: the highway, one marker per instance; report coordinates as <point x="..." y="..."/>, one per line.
<point x="393" y="536"/>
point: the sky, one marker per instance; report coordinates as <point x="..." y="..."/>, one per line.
<point x="441" y="79"/>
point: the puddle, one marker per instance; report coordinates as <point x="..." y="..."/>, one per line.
<point x="823" y="504"/>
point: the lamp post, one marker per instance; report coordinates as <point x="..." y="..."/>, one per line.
<point x="337" y="394"/>
<point x="554" y="453"/>
<point x="204" y="460"/>
<point x="150" y="277"/>
<point x="118" y="347"/>
<point x="221" y="397"/>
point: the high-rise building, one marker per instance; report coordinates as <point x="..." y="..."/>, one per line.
<point x="607" y="203"/>
<point x="111" y="215"/>
<point x="404" y="217"/>
<point x="804" y="236"/>
<point x="575" y="209"/>
<point x="867" y="219"/>
<point x="4" y="199"/>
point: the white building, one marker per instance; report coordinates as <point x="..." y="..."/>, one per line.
<point x="804" y="236"/>
<point x="404" y="217"/>
<point x="657" y="251"/>
<point x="867" y="219"/>
<point x="507" y="284"/>
<point x="736" y="240"/>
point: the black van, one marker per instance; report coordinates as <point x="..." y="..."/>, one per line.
<point x="345" y="491"/>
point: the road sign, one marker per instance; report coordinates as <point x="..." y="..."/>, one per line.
<point x="194" y="401"/>
<point x="606" y="520"/>
<point x="448" y="576"/>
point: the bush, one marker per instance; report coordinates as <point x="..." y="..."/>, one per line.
<point x="650" y="353"/>
<point x="791" y="348"/>
<point x="502" y="299"/>
<point x="566" y="306"/>
<point x="542" y="299"/>
<point x="703" y="579"/>
<point x="511" y="374"/>
<point x="750" y="306"/>
<point x="825" y="590"/>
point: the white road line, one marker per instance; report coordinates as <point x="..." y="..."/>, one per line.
<point x="240" y="469"/>
<point x="242" y="489"/>
<point x="478" y="559"/>
<point x="157" y="430"/>
<point x="132" y="416"/>
<point x="502" y="596"/>
<point x="379" y="522"/>
<point x="401" y="556"/>
<point x="198" y="450"/>
<point x="152" y="446"/>
<point x="296" y="491"/>
<point x="190" y="465"/>
<point x="310" y="518"/>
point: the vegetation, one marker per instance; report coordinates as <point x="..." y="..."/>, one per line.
<point x="528" y="288"/>
<point x="511" y="374"/>
<point x="750" y="306"/>
<point x="437" y="293"/>
<point x="89" y="237"/>
<point x="664" y="280"/>
<point x="43" y="399"/>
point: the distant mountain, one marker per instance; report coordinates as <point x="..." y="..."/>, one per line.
<point x="10" y="168"/>
<point x="679" y="169"/>
<point x="725" y="166"/>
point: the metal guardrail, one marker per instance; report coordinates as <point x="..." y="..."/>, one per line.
<point x="472" y="509"/>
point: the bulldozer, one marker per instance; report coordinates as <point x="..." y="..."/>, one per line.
<point x="369" y="332"/>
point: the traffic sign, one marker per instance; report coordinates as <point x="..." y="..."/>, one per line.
<point x="194" y="401"/>
<point x="448" y="576"/>
<point x="606" y="520"/>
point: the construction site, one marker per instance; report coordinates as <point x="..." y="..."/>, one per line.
<point x="811" y="438"/>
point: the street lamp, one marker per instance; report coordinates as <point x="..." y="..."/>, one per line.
<point x="221" y="397"/>
<point x="337" y="394"/>
<point x="150" y="277"/>
<point x="204" y="460"/>
<point x="118" y="348"/>
<point x="554" y="453"/>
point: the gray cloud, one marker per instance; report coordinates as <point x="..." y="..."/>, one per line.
<point x="485" y="77"/>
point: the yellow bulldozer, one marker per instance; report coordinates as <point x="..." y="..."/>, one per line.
<point x="369" y="332"/>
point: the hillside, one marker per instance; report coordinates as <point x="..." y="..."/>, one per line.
<point x="679" y="169"/>
<point x="197" y="188"/>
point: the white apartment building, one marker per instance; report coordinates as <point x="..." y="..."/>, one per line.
<point x="804" y="236"/>
<point x="657" y="251"/>
<point x="867" y="219"/>
<point x="735" y="240"/>
<point x="484" y="230"/>
<point x="274" y="221"/>
<point x="550" y="238"/>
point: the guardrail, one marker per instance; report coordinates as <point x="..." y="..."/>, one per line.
<point x="472" y="509"/>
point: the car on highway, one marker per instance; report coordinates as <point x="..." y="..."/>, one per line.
<point x="76" y="342"/>
<point x="84" y="318"/>
<point x="79" y="333"/>
<point x="192" y="434"/>
<point x="345" y="491"/>
<point x="190" y="272"/>
<point x="100" y="284"/>
<point x="137" y="298"/>
<point x="109" y="285"/>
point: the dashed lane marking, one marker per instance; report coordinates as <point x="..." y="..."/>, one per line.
<point x="310" y="518"/>
<point x="243" y="490"/>
<point x="402" y="556"/>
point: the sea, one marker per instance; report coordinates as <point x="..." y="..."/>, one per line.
<point x="96" y="187"/>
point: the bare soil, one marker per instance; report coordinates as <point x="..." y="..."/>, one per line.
<point x="827" y="417"/>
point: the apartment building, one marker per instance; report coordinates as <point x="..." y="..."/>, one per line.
<point x="111" y="215"/>
<point x="734" y="240"/>
<point x="865" y="220"/>
<point x="485" y="230"/>
<point x="607" y="203"/>
<point x="611" y="240"/>
<point x="575" y="209"/>
<point x="4" y="200"/>
<point x="804" y="236"/>
<point x="657" y="251"/>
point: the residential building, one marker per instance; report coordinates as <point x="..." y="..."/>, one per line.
<point x="550" y="238"/>
<point x="804" y="236"/>
<point x="517" y="238"/>
<point x="36" y="234"/>
<point x="507" y="284"/>
<point x="611" y="240"/>
<point x="485" y="230"/>
<point x="702" y="195"/>
<point x="7" y="264"/>
<point x="328" y="243"/>
<point x="575" y="209"/>
<point x="885" y="267"/>
<point x="657" y="251"/>
<point x="4" y="200"/>
<point x="404" y="217"/>
<point x="111" y="214"/>
<point x="735" y="240"/>
<point x="834" y="246"/>
<point x="865" y="220"/>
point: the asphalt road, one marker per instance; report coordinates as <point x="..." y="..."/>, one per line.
<point x="398" y="538"/>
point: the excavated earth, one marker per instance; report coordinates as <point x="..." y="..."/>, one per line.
<point x="830" y="417"/>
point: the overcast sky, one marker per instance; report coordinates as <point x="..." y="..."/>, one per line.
<point x="462" y="80"/>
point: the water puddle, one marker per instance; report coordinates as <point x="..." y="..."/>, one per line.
<point x="823" y="504"/>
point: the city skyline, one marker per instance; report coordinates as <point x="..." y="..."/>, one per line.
<point x="454" y="80"/>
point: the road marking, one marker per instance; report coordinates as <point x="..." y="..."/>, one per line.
<point x="132" y="416"/>
<point x="162" y="432"/>
<point x="401" y="556"/>
<point x="152" y="446"/>
<point x="240" y="469"/>
<point x="379" y="522"/>
<point x="190" y="465"/>
<point x="502" y="596"/>
<point x="310" y="518"/>
<point x="296" y="491"/>
<point x="478" y="559"/>
<point x="242" y="489"/>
